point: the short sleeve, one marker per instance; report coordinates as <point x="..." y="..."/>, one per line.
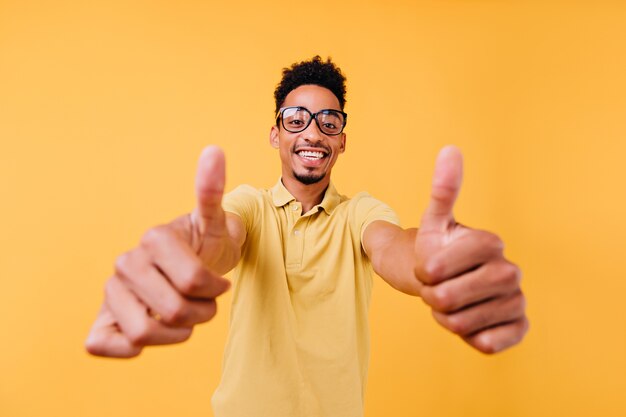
<point x="369" y="209"/>
<point x="244" y="202"/>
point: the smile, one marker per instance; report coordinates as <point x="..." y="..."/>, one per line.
<point x="311" y="155"/>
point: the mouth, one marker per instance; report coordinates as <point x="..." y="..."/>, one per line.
<point x="312" y="157"/>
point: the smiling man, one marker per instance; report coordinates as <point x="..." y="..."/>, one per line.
<point x="303" y="256"/>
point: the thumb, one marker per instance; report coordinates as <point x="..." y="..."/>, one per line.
<point x="445" y="189"/>
<point x="210" y="181"/>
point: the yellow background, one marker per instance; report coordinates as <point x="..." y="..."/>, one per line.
<point x="105" y="106"/>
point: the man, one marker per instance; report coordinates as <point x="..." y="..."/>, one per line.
<point x="299" y="341"/>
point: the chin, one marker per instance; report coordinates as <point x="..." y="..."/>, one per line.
<point x="309" y="178"/>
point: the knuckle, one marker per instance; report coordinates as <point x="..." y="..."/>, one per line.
<point x="193" y="282"/>
<point x="508" y="275"/>
<point x="140" y="334"/>
<point x="524" y="328"/>
<point x="207" y="311"/>
<point x="513" y="273"/>
<point x="486" y="344"/>
<point x="517" y="274"/>
<point x="520" y="331"/>
<point x="211" y="310"/>
<point x="175" y="313"/>
<point x="94" y="345"/>
<point x="153" y="236"/>
<point x="457" y="324"/>
<point x="109" y="288"/>
<point x="186" y="334"/>
<point x="122" y="263"/>
<point x="434" y="269"/>
<point x="131" y="265"/>
<point x="442" y="300"/>
<point x="493" y="241"/>
<point x="520" y="302"/>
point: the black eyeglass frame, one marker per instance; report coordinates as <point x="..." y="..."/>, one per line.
<point x="313" y="117"/>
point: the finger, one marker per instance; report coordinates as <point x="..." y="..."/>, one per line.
<point x="499" y="338"/>
<point x="106" y="339"/>
<point x="180" y="264"/>
<point x="469" y="250"/>
<point x="210" y="181"/>
<point x="445" y="189"/>
<point x="492" y="279"/>
<point x="155" y="291"/>
<point x="135" y="322"/>
<point x="486" y="314"/>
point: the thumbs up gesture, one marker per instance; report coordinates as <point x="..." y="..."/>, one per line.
<point x="472" y="289"/>
<point x="169" y="282"/>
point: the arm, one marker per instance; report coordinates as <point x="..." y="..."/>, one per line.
<point x="391" y="250"/>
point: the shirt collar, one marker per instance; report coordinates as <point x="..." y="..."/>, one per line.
<point x="281" y="197"/>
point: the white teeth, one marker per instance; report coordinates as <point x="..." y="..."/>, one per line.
<point x="312" y="155"/>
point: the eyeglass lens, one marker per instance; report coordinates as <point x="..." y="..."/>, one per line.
<point x="296" y="119"/>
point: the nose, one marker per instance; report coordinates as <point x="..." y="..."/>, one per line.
<point x="312" y="133"/>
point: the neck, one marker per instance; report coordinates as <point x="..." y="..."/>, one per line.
<point x="307" y="195"/>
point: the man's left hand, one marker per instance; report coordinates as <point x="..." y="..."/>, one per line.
<point x="472" y="289"/>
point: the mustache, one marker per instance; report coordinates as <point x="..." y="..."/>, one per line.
<point x="320" y="146"/>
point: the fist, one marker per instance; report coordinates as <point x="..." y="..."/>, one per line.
<point x="472" y="289"/>
<point x="169" y="282"/>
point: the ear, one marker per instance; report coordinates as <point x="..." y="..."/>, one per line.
<point x="342" y="149"/>
<point x="274" y="137"/>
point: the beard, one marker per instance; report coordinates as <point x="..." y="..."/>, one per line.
<point x="308" y="179"/>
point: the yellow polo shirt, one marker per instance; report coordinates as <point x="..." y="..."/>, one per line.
<point x="299" y="336"/>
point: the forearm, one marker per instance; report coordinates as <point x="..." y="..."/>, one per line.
<point x="394" y="260"/>
<point x="230" y="245"/>
<point x="229" y="256"/>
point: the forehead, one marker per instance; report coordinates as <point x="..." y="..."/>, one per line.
<point x="313" y="97"/>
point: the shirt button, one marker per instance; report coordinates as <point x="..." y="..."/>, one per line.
<point x="296" y="232"/>
<point x="295" y="208"/>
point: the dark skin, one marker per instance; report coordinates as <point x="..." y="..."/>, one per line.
<point x="169" y="283"/>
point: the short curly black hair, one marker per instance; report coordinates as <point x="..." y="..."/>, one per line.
<point x="315" y="71"/>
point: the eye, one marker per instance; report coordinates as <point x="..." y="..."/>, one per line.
<point x="330" y="121"/>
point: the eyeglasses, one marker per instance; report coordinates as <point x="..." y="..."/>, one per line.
<point x="296" y="119"/>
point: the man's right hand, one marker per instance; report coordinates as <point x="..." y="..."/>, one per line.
<point x="169" y="283"/>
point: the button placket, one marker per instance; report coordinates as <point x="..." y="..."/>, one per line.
<point x="295" y="241"/>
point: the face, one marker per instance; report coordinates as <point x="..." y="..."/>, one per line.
<point x="308" y="156"/>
